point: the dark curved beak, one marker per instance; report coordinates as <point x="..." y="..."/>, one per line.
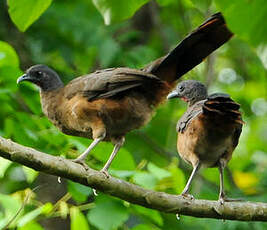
<point x="24" y="77"/>
<point x="173" y="94"/>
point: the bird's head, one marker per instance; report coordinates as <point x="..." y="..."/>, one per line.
<point x="42" y="76"/>
<point x="190" y="91"/>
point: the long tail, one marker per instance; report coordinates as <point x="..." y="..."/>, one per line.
<point x="191" y="51"/>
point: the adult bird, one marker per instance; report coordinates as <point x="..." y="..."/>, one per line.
<point x="107" y="104"/>
<point x="209" y="131"/>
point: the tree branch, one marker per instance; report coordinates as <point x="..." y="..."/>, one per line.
<point x="243" y="211"/>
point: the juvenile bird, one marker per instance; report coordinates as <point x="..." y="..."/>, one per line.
<point x="208" y="131"/>
<point x="107" y="104"/>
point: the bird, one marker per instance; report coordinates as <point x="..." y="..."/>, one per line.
<point x="209" y="130"/>
<point x="107" y="104"/>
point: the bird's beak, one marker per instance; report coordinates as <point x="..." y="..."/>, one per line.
<point x="173" y="94"/>
<point x="24" y="77"/>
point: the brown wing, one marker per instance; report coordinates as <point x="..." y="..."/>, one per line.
<point x="223" y="107"/>
<point x="191" y="51"/>
<point x="108" y="83"/>
<point x="217" y="109"/>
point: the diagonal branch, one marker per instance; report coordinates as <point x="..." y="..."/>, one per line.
<point x="243" y="211"/>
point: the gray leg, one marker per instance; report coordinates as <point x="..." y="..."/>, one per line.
<point x="195" y="169"/>
<point x="221" y="194"/>
<point x="116" y="148"/>
<point x="222" y="197"/>
<point x="82" y="157"/>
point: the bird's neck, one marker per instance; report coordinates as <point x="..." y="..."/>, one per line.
<point x="51" y="101"/>
<point x="192" y="103"/>
<point x="195" y="104"/>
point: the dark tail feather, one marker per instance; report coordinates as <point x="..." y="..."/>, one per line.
<point x="222" y="105"/>
<point x="212" y="34"/>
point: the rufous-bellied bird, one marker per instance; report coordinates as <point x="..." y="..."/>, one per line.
<point x="209" y="131"/>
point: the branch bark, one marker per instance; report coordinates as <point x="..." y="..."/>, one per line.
<point x="243" y="211"/>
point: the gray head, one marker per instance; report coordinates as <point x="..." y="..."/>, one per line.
<point x="42" y="76"/>
<point x="190" y="91"/>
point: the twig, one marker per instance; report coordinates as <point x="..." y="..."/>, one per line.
<point x="21" y="208"/>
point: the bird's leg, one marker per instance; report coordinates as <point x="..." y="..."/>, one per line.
<point x="222" y="197"/>
<point x="116" y="148"/>
<point x="186" y="188"/>
<point x="82" y="157"/>
<point x="221" y="194"/>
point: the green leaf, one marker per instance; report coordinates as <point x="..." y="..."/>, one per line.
<point x="77" y="220"/>
<point x="31" y="226"/>
<point x="108" y="214"/>
<point x="158" y="172"/>
<point x="117" y="10"/>
<point x="8" y="77"/>
<point x="25" y="12"/>
<point x="262" y="54"/>
<point x="4" y="166"/>
<point x="30" y="173"/>
<point x="151" y="214"/>
<point x="123" y="174"/>
<point x="146" y="180"/>
<point x="78" y="191"/>
<point x="143" y="227"/>
<point x="203" y="5"/>
<point x="113" y="49"/>
<point x="10" y="204"/>
<point x="45" y="209"/>
<point x="123" y="161"/>
<point x="245" y="18"/>
<point x="178" y="178"/>
<point x="8" y="56"/>
<point x="165" y="2"/>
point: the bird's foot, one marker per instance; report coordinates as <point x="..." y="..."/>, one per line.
<point x="105" y="172"/>
<point x="81" y="162"/>
<point x="223" y="199"/>
<point x="187" y="196"/>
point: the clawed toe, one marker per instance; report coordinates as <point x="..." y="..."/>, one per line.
<point x="221" y="200"/>
<point x="81" y="162"/>
<point x="187" y="196"/>
<point x="224" y="199"/>
<point x="105" y="172"/>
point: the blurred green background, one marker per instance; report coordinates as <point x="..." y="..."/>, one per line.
<point x="78" y="37"/>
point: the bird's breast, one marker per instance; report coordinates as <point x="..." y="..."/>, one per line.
<point x="203" y="142"/>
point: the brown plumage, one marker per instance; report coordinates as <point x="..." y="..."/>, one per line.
<point x="209" y="130"/>
<point x="107" y="104"/>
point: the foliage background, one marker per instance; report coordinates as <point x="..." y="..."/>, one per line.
<point x="71" y="37"/>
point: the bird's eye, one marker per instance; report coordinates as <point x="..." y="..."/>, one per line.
<point x="181" y="88"/>
<point x="39" y="73"/>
